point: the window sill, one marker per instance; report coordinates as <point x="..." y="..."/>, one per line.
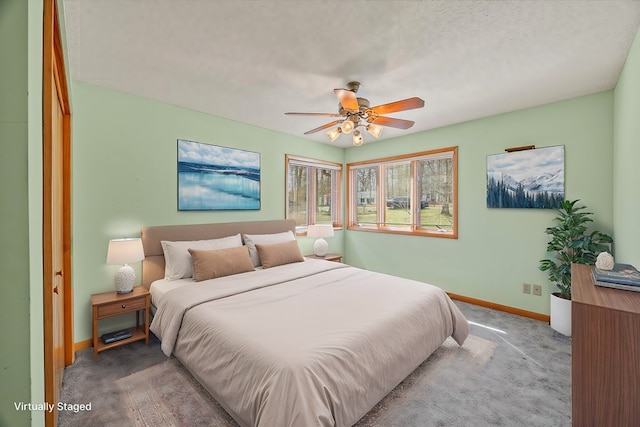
<point x="412" y="231"/>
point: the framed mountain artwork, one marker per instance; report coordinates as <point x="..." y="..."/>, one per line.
<point x="526" y="179"/>
<point x="212" y="177"/>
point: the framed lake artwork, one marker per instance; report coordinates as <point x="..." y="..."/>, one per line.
<point x="526" y="179"/>
<point x="212" y="177"/>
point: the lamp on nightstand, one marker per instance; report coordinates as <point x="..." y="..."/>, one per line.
<point x="320" y="247"/>
<point x="125" y="251"/>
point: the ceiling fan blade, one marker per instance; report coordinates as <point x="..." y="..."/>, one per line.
<point x="392" y="107"/>
<point x="394" y="123"/>
<point x="314" y="114"/>
<point x="328" y="125"/>
<point x="347" y="99"/>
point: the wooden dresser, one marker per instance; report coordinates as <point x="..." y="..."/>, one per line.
<point x="605" y="354"/>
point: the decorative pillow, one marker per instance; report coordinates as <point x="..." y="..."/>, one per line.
<point x="252" y="239"/>
<point x="273" y="254"/>
<point x="210" y="264"/>
<point x="177" y="261"/>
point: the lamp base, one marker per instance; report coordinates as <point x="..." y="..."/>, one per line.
<point x="124" y="279"/>
<point x="320" y="247"/>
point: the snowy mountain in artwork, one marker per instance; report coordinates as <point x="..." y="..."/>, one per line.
<point x="548" y="182"/>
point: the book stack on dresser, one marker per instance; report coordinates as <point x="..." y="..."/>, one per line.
<point x="622" y="276"/>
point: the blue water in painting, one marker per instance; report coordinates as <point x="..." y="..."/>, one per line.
<point x="209" y="187"/>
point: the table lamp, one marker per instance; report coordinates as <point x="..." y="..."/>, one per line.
<point x="320" y="247"/>
<point x="125" y="251"/>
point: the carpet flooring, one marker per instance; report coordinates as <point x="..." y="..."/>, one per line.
<point x="511" y="371"/>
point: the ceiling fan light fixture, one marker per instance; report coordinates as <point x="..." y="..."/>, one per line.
<point x="374" y="130"/>
<point x="354" y="112"/>
<point x="347" y="126"/>
<point x="357" y="138"/>
<point x="333" y="134"/>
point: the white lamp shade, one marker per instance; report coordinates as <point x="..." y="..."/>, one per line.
<point x="357" y="138"/>
<point x="347" y="126"/>
<point x="320" y="230"/>
<point x="333" y="134"/>
<point x="374" y="130"/>
<point x="125" y="251"/>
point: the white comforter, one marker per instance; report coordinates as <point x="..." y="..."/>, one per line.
<point x="315" y="343"/>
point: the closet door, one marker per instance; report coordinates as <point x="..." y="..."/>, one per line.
<point x="57" y="307"/>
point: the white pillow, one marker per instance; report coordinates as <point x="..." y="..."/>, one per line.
<point x="177" y="260"/>
<point x="251" y="239"/>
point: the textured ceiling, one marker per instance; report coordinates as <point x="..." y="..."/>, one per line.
<point x="252" y="61"/>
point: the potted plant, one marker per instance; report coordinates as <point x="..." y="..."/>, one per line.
<point x="570" y="243"/>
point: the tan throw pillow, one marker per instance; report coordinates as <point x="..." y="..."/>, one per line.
<point x="210" y="264"/>
<point x="251" y="240"/>
<point x="273" y="254"/>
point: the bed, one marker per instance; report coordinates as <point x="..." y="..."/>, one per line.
<point x="290" y="341"/>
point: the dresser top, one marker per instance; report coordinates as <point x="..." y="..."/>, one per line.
<point x="584" y="291"/>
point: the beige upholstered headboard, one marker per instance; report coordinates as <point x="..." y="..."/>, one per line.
<point x="153" y="263"/>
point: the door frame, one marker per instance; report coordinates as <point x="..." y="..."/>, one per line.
<point x="53" y="72"/>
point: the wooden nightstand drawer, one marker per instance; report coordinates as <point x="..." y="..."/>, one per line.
<point x="121" y="307"/>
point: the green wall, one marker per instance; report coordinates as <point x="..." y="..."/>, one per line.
<point x="497" y="249"/>
<point x="21" y="375"/>
<point x="124" y="177"/>
<point x="14" y="202"/>
<point x="626" y="173"/>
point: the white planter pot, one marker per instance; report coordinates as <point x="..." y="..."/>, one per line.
<point x="560" y="310"/>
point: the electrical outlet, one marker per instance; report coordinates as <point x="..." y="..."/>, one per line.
<point x="537" y="290"/>
<point x="526" y="288"/>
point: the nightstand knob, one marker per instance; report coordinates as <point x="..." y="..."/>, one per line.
<point x="124" y="306"/>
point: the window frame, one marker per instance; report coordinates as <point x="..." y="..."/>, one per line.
<point x="414" y="193"/>
<point x="313" y="166"/>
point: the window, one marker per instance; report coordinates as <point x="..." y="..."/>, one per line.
<point x="313" y="191"/>
<point x="409" y="194"/>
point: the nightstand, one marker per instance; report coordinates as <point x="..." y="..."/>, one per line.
<point x="328" y="257"/>
<point x="110" y="304"/>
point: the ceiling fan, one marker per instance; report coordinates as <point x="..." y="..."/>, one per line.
<point x="355" y="112"/>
